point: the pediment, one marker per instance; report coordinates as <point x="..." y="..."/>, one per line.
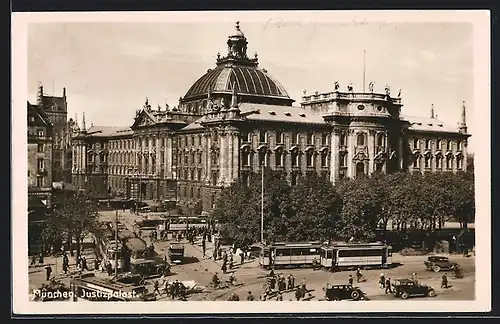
<point x="143" y="120"/>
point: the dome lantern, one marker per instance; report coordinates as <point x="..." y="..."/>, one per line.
<point x="237" y="44"/>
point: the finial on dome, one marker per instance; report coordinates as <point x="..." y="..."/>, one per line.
<point x="432" y="110"/>
<point x="237" y="25"/>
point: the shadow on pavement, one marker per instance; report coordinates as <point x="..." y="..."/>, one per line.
<point x="190" y="259"/>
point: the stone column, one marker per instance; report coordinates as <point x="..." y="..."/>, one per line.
<point x="169" y="158"/>
<point x="464" y="152"/>
<point x="208" y="158"/>
<point x="236" y="157"/>
<point x="229" y="159"/>
<point x="400" y="152"/>
<point x="350" y="152"/>
<point x="334" y="155"/>
<point x="371" y="151"/>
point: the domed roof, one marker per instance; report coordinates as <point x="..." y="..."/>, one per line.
<point x="237" y="31"/>
<point x="249" y="80"/>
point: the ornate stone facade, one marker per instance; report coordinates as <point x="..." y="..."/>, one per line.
<point x="236" y="119"/>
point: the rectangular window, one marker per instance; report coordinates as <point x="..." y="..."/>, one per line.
<point x="40" y="164"/>
<point x="40" y="147"/>
<point x="310" y="139"/>
<point x="343" y="139"/>
<point x="39" y="181"/>
<point x="343" y="160"/>
<point x="41" y="133"/>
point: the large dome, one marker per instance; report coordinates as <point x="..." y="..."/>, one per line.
<point x="249" y="80"/>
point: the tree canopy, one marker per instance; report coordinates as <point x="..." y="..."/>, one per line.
<point x="314" y="209"/>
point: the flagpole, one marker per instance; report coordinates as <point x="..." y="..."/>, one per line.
<point x="364" y="69"/>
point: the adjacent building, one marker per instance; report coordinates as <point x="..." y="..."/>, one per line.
<point x="236" y="118"/>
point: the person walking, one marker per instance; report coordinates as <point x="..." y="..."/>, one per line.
<point x="444" y="281"/>
<point x="156" y="287"/>
<point x="48" y="272"/>
<point x="382" y="281"/>
<point x="388" y="289"/>
<point x="351" y="280"/>
<point x="84" y="264"/>
<point x="40" y="258"/>
<point x="250" y="297"/>
<point x="203" y="247"/>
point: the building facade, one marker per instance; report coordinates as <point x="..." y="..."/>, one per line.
<point x="236" y="118"/>
<point x="40" y="146"/>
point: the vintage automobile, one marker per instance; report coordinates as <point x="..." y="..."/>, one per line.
<point x="405" y="288"/>
<point x="341" y="292"/>
<point x="438" y="263"/>
<point x="149" y="268"/>
<point x="176" y="253"/>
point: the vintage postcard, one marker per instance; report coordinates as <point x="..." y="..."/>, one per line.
<point x="251" y="162"/>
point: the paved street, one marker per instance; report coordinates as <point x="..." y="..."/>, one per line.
<point x="252" y="278"/>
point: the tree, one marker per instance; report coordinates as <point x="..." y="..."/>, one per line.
<point x="312" y="211"/>
<point x="76" y="217"/>
<point x="361" y="205"/>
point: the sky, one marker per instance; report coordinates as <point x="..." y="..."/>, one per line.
<point x="109" y="69"/>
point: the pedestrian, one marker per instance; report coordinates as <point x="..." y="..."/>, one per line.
<point x="314" y="261"/>
<point x="290" y="282"/>
<point x="234" y="297"/>
<point x="230" y="259"/>
<point x="203" y="247"/>
<point x="33" y="260"/>
<point x="156" y="287"/>
<point x="48" y="272"/>
<point x="351" y="280"/>
<point x="242" y="257"/>
<point x="171" y="291"/>
<point x="248" y="255"/>
<point x="214" y="254"/>
<point x="279" y="297"/>
<point x="65" y="268"/>
<point x="84" y="264"/>
<point x="303" y="286"/>
<point x="382" y="281"/>
<point x="298" y="294"/>
<point x="250" y="297"/>
<point x="40" y="258"/>
<point x="109" y="268"/>
<point x="388" y="289"/>
<point x="359" y="276"/>
<point x="414" y="277"/>
<point x="224" y="267"/>
<point x="444" y="281"/>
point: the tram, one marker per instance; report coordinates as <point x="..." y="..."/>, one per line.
<point x="283" y="254"/>
<point x="354" y="255"/>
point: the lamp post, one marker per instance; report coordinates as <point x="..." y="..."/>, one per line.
<point x="116" y="243"/>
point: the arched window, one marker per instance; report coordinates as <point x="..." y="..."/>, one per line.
<point x="459" y="162"/>
<point x="360" y="169"/>
<point x="263" y="137"/>
<point x="279" y="158"/>
<point x="448" y="145"/>
<point x="324" y="158"/>
<point x="427" y="144"/>
<point x="361" y="139"/>
<point x="295" y="158"/>
<point x="427" y="162"/>
<point x="439" y="164"/>
<point x="416" y="143"/>
<point x="310" y="158"/>
<point x="449" y="160"/>
<point x="438" y="144"/>
<point x="263" y="158"/>
<point x="343" y="160"/>
<point x="279" y="138"/>
<point x="380" y="140"/>
<point x="245" y="157"/>
<point x="416" y="161"/>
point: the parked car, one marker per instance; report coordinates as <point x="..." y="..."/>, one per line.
<point x="438" y="263"/>
<point x="405" y="288"/>
<point x="341" y="292"/>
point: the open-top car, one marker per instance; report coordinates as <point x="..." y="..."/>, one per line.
<point x="341" y="292"/>
<point x="405" y="288"/>
<point x="438" y="263"/>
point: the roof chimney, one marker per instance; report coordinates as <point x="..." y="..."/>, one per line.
<point x="39" y="96"/>
<point x="463" y="123"/>
<point x="432" y="110"/>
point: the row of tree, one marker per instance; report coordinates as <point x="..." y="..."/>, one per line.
<point x="353" y="209"/>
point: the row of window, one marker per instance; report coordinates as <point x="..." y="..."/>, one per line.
<point x="264" y="158"/>
<point x="40" y="180"/>
<point x="439" y="162"/>
<point x="190" y="141"/>
<point x="294" y="177"/>
<point x="193" y="174"/>
<point x="280" y="137"/>
<point x="428" y="144"/>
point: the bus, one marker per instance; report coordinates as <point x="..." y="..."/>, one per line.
<point x="89" y="287"/>
<point x="281" y="255"/>
<point x="354" y="255"/>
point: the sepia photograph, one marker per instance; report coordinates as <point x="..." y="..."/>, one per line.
<point x="182" y="162"/>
